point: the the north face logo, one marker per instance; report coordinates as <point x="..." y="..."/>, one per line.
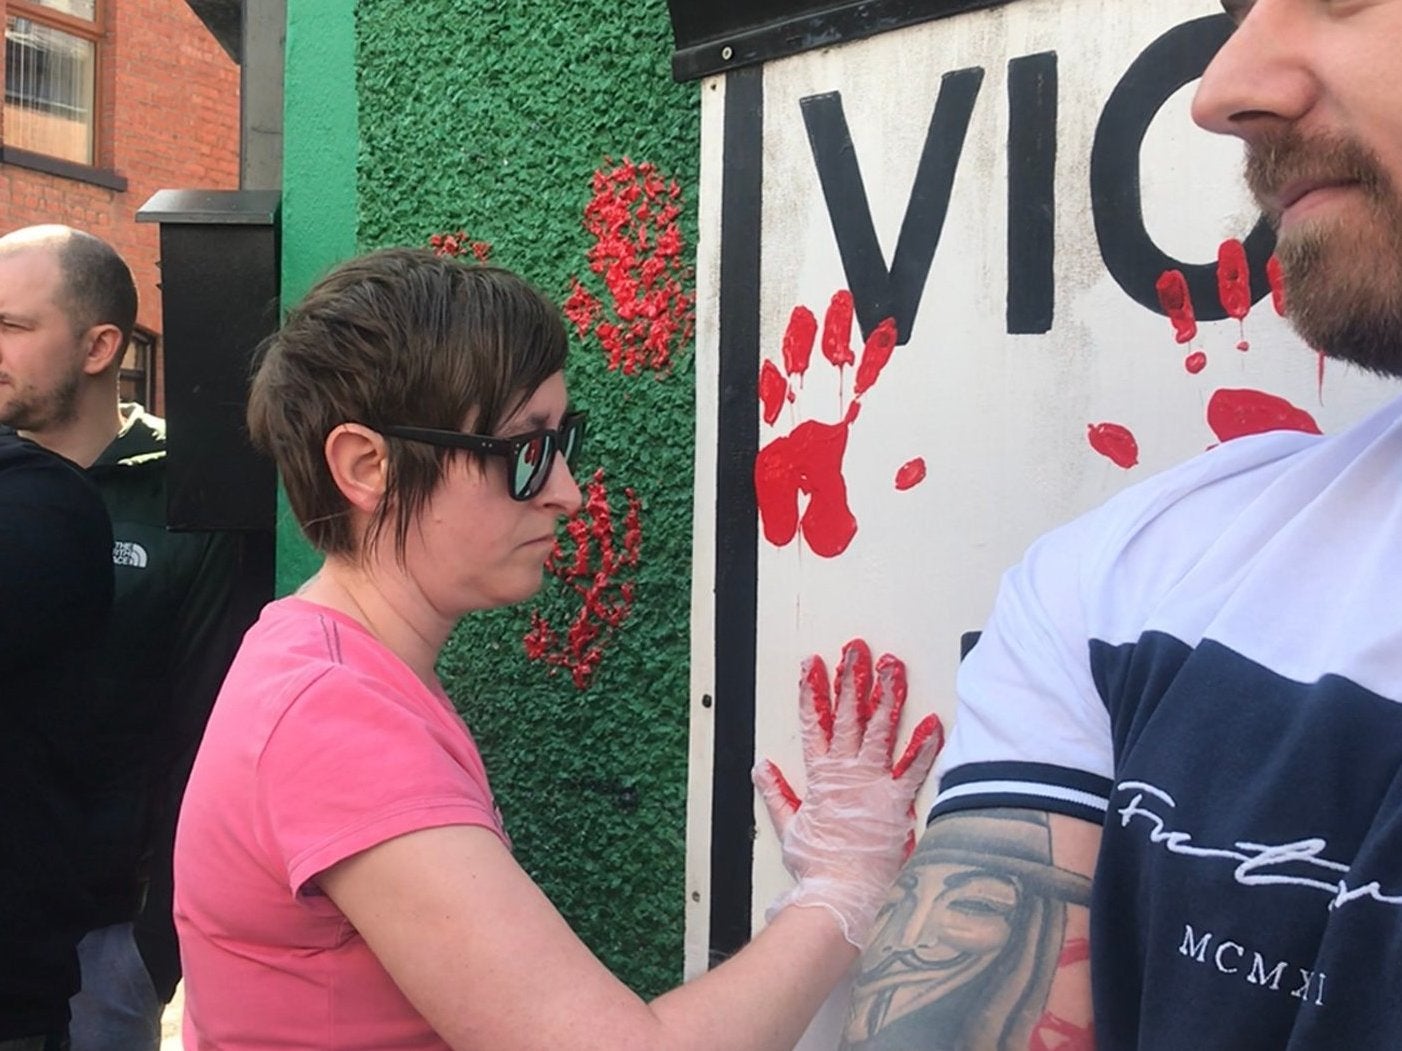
<point x="128" y="553"/>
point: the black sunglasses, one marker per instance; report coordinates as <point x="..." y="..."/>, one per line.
<point x="529" y="456"/>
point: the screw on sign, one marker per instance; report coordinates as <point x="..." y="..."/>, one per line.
<point x="809" y="458"/>
<point x="599" y="570"/>
<point x="638" y="255"/>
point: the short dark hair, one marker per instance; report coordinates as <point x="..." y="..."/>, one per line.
<point x="396" y="336"/>
<point x="97" y="286"/>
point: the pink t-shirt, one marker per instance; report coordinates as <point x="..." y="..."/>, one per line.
<point x="322" y="744"/>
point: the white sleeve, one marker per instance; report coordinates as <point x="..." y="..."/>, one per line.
<point x="1031" y="729"/>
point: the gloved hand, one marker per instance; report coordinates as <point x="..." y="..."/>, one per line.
<point x="845" y="842"/>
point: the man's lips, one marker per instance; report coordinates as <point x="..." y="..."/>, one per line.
<point x="1294" y="192"/>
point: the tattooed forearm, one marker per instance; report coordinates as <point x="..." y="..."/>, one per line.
<point x="976" y="934"/>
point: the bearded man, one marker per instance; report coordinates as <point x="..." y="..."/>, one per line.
<point x="1198" y="686"/>
<point x="68" y="306"/>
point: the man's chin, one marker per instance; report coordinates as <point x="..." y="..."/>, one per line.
<point x="1343" y="293"/>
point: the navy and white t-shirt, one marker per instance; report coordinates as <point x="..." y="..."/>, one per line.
<point x="1210" y="667"/>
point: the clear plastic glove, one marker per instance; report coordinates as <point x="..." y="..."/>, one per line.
<point x="845" y="842"/>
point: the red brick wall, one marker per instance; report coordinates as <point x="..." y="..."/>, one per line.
<point x="169" y="99"/>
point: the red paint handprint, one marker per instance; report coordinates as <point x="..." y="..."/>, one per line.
<point x="1230" y="413"/>
<point x="639" y="256"/>
<point x="600" y="571"/>
<point x="809" y="459"/>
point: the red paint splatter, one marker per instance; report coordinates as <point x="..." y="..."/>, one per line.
<point x="876" y="352"/>
<point x="926" y="728"/>
<point x="1233" y="279"/>
<point x="458" y="244"/>
<point x="638" y="255"/>
<point x="809" y="459"/>
<point x="1172" y="288"/>
<point x="1195" y="362"/>
<point x="799" y="336"/>
<point x="1243" y="345"/>
<point x="773" y="389"/>
<point x="837" y="329"/>
<point x="1115" y="443"/>
<point x="581" y="308"/>
<point x="1233" y="413"/>
<point x="1275" y="275"/>
<point x="911" y="474"/>
<point x="782" y="786"/>
<point x="600" y="574"/>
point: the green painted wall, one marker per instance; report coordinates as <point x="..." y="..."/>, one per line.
<point x="491" y="116"/>
<point x="319" y="187"/>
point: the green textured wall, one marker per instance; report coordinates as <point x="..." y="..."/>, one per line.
<point x="491" y="117"/>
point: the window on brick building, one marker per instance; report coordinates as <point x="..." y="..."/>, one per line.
<point x="51" y="56"/>
<point x="137" y="376"/>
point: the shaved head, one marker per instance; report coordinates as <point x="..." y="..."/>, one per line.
<point x="96" y="286"/>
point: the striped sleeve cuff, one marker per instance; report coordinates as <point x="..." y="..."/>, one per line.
<point x="1031" y="786"/>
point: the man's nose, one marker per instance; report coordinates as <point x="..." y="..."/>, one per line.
<point x="1263" y="75"/>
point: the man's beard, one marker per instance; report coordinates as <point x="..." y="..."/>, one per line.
<point x="1343" y="275"/>
<point x="33" y="411"/>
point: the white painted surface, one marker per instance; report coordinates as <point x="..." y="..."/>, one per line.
<point x="703" y="556"/>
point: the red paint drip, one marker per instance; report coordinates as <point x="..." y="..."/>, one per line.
<point x="837" y="329"/>
<point x="875" y="354"/>
<point x="1172" y="288"/>
<point x="911" y="474"/>
<point x="1115" y="443"/>
<point x="1243" y="346"/>
<point x="856" y="661"/>
<point x="1275" y="275"/>
<point x="458" y="244"/>
<point x="782" y="786"/>
<point x="638" y="256"/>
<point x="926" y="728"/>
<point x="1233" y="279"/>
<point x="773" y="389"/>
<point x="816" y="684"/>
<point x="601" y="574"/>
<point x="799" y="336"/>
<point x="1233" y="413"/>
<point x="1195" y="362"/>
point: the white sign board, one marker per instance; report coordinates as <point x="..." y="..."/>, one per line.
<point x="1080" y="296"/>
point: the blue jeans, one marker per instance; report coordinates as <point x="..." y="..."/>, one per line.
<point x="117" y="1009"/>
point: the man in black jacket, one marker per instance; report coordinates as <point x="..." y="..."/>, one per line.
<point x="171" y="634"/>
<point x="55" y="594"/>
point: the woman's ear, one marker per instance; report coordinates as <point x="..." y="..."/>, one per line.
<point x="359" y="464"/>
